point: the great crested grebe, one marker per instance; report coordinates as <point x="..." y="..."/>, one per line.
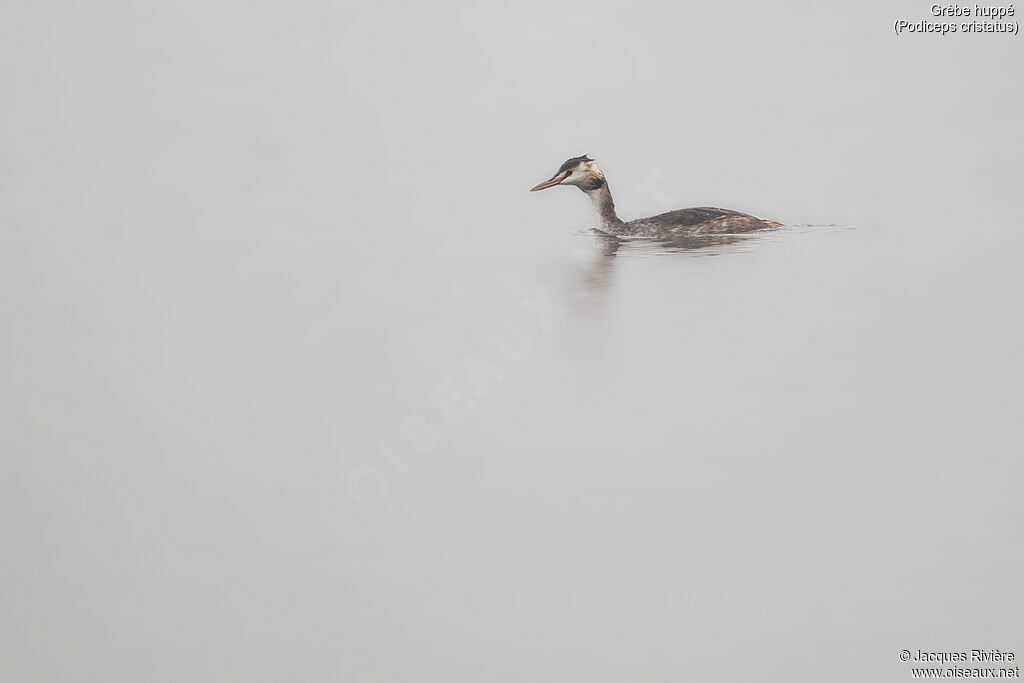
<point x="584" y="174"/>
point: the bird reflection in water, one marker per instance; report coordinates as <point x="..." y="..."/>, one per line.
<point x="597" y="273"/>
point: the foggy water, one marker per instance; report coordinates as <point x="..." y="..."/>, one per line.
<point x="301" y="383"/>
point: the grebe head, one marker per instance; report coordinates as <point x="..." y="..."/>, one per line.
<point x="579" y="171"/>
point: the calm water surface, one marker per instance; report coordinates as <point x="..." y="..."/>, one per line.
<point x="301" y="382"/>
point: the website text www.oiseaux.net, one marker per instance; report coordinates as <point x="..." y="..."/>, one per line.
<point x="967" y="672"/>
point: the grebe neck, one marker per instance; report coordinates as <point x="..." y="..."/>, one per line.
<point x="601" y="196"/>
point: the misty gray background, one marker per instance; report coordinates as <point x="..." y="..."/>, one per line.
<point x="242" y="243"/>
